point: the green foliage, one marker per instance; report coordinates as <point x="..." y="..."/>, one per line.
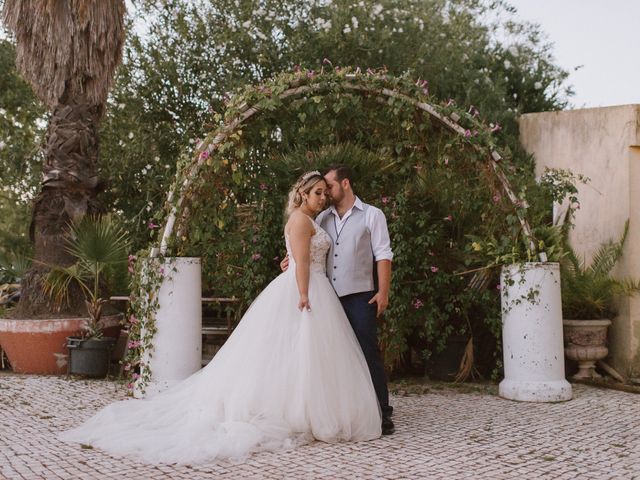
<point x="589" y="291"/>
<point x="437" y="188"/>
<point x="21" y="130"/>
<point x="183" y="60"/>
<point x="100" y="248"/>
<point x="13" y="266"/>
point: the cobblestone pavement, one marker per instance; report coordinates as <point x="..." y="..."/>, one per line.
<point x="442" y="433"/>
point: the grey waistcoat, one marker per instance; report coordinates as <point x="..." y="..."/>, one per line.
<point x="350" y="259"/>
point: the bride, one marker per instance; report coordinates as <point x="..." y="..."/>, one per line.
<point x="291" y="372"/>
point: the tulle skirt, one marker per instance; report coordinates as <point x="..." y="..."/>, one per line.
<point x="283" y="378"/>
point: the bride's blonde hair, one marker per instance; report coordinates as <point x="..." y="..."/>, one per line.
<point x="304" y="184"/>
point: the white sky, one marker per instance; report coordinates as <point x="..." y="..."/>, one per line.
<point x="601" y="35"/>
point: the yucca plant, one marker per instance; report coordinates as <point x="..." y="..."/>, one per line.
<point x="589" y="291"/>
<point x="100" y="246"/>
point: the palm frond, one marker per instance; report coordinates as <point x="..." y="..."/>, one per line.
<point x="609" y="253"/>
<point x="589" y="291"/>
<point x="58" y="281"/>
<point x="63" y="45"/>
<point x="98" y="241"/>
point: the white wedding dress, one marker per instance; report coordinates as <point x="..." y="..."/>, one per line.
<point x="283" y="378"/>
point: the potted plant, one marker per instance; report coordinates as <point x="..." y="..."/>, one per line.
<point x="99" y="246"/>
<point x="589" y="295"/>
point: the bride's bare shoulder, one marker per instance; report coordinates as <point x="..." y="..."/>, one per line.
<point x="298" y="224"/>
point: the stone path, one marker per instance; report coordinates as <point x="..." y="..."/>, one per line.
<point x="443" y="432"/>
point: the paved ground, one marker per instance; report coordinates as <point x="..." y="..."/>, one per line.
<point x="443" y="432"/>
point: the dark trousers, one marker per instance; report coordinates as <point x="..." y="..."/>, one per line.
<point x="362" y="317"/>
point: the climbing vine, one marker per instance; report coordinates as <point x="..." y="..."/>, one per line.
<point x="432" y="166"/>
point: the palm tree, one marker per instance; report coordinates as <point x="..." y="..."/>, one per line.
<point x="68" y="50"/>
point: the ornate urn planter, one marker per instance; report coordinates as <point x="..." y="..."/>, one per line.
<point x="586" y="343"/>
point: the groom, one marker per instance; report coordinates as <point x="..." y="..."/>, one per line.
<point x="360" y="242"/>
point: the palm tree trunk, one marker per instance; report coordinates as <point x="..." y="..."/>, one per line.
<point x="68" y="193"/>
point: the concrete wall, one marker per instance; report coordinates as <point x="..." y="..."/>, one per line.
<point x="604" y="145"/>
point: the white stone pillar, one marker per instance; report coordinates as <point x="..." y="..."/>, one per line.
<point x="532" y="339"/>
<point x="177" y="343"/>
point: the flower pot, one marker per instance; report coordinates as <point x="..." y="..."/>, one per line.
<point x="37" y="346"/>
<point x="90" y="357"/>
<point x="532" y="334"/>
<point x="176" y="352"/>
<point x="586" y="344"/>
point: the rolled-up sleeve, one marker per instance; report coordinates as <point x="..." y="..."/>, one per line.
<point x="380" y="241"/>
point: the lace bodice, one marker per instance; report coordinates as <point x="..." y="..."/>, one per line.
<point x="320" y="243"/>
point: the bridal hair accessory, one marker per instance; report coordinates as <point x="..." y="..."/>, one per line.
<point x="308" y="175"/>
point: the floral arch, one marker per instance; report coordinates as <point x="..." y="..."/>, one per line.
<point x="394" y="116"/>
<point x="278" y="93"/>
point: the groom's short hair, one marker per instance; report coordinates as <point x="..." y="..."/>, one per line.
<point x="342" y="171"/>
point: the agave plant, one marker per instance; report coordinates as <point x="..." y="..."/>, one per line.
<point x="589" y="291"/>
<point x="100" y="246"/>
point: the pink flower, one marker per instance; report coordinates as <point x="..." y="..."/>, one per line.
<point x="204" y="155"/>
<point x="129" y="386"/>
<point x="474" y="111"/>
<point x="434" y="269"/>
<point x="255" y="257"/>
<point x="127" y="367"/>
<point x="467" y="133"/>
<point x="385" y="200"/>
<point x="370" y="71"/>
<point x="311" y="74"/>
<point x="496" y="198"/>
<point x="498" y="287"/>
<point x="135" y="376"/>
<point x="448" y="218"/>
<point x="133" y="319"/>
<point x="417" y="303"/>
<point x="152" y="225"/>
<point x="495" y="128"/>
<point x="446" y="161"/>
<point x="130" y="269"/>
<point x="134" y="343"/>
<point x="132" y="258"/>
<point x="263" y="186"/>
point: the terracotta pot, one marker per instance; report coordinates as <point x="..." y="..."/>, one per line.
<point x="586" y="343"/>
<point x="39" y="346"/>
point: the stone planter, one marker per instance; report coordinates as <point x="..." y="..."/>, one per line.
<point x="586" y="343"/>
<point x="532" y="334"/>
<point x="39" y="346"/>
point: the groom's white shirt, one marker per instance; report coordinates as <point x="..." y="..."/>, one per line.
<point x="376" y="224"/>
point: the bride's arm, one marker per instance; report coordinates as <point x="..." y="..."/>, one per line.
<point x="300" y="232"/>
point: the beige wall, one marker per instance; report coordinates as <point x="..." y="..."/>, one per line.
<point x="604" y="145"/>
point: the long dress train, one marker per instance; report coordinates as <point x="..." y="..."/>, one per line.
<point x="283" y="378"/>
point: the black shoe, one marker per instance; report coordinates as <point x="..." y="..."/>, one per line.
<point x="387" y="426"/>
